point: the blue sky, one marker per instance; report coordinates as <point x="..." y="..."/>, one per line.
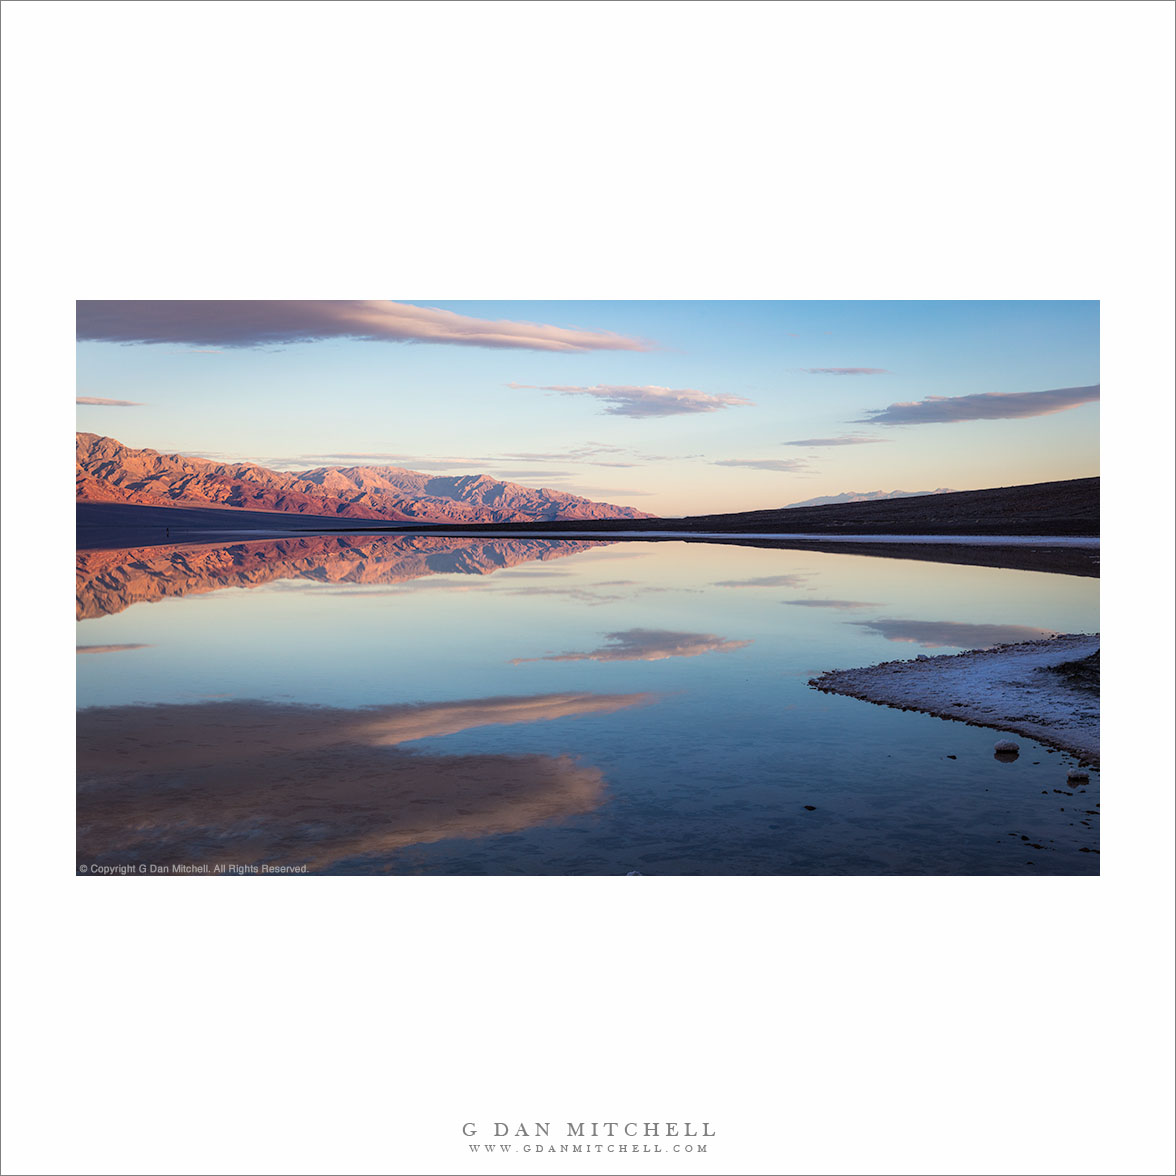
<point x="579" y="403"/>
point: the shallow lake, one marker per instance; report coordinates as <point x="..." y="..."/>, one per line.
<point x="420" y="704"/>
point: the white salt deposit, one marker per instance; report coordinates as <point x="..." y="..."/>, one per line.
<point x="1008" y="687"/>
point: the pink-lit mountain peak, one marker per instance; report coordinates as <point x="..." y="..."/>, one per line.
<point x="108" y="471"/>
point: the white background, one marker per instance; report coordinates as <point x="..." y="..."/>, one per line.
<point x="572" y="150"/>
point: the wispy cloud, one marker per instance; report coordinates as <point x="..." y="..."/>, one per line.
<point x="790" y="465"/>
<point x="954" y="634"/>
<point x="820" y="442"/>
<point x="564" y="457"/>
<point x="358" y="457"/>
<point x="109" y="648"/>
<point x="238" y="323"/>
<point x="847" y="371"/>
<point x="644" y="400"/>
<point x="838" y="604"/>
<point x="102" y="402"/>
<point x="645" y="645"/>
<point x="981" y="406"/>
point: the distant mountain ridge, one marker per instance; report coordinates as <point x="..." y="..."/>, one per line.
<point x="865" y="496"/>
<point x="108" y="471"/>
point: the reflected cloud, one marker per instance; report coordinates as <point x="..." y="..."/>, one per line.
<point x="250" y="782"/>
<point x="110" y="581"/>
<point x="844" y="604"/>
<point x="786" y="580"/>
<point x="955" y="634"/>
<point x="645" y="645"/>
<point x="109" y="648"/>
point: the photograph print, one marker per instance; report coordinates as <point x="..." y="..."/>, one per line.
<point x="587" y="588"/>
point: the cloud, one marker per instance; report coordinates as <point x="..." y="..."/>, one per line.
<point x="645" y="645"/>
<point x="109" y="648"/>
<point x="581" y="455"/>
<point x="847" y="371"/>
<point x="813" y="442"/>
<point x="644" y="400"/>
<point x="358" y="457"/>
<point x="981" y="406"/>
<point x="256" y="323"/>
<point x="101" y="401"/>
<point x="841" y="604"/>
<point x="956" y="634"/>
<point x="571" y="455"/>
<point x="789" y="465"/>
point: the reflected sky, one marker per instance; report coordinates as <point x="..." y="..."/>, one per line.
<point x="645" y="645"/>
<point x="432" y="705"/>
<point x="109" y="581"/>
<point x="245" y="782"/>
<point x="957" y="634"/>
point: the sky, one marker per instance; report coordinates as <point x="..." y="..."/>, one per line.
<point x="671" y="407"/>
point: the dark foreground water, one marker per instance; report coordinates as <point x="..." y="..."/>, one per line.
<point x="473" y="706"/>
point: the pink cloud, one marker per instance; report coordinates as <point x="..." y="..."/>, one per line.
<point x="981" y="406"/>
<point x="255" y="323"/>
<point x="847" y="371"/>
<point x="644" y="400"/>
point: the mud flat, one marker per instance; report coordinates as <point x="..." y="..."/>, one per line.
<point x="1044" y="690"/>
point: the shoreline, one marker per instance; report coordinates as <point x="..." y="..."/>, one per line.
<point x="1007" y="688"/>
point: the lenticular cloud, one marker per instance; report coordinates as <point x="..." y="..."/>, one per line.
<point x="644" y="400"/>
<point x="982" y="406"/>
<point x="239" y="323"/>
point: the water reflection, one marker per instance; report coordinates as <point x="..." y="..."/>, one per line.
<point x="645" y="645"/>
<point x="249" y="782"/>
<point x="357" y="666"/>
<point x="110" y="581"/>
<point x="956" y="634"/>
<point x="786" y="580"/>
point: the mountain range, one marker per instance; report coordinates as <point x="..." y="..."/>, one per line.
<point x="108" y="471"/>
<point x="865" y="496"/>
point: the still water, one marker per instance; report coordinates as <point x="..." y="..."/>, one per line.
<point x="420" y="704"/>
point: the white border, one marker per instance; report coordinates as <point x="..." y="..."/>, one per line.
<point x="430" y="150"/>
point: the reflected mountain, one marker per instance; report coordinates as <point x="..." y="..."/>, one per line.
<point x="249" y="782"/>
<point x="110" y="581"/>
<point x="645" y="645"/>
<point x="955" y="634"/>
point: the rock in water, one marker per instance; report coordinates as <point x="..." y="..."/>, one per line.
<point x="1077" y="776"/>
<point x="1006" y="745"/>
